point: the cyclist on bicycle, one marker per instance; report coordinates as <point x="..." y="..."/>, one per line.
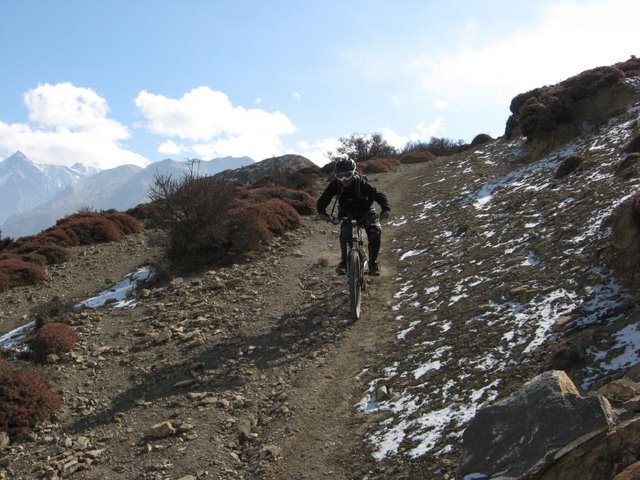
<point x="355" y="199"/>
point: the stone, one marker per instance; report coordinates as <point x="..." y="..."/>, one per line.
<point x="621" y="390"/>
<point x="632" y="472"/>
<point x="522" y="434"/>
<point x="162" y="430"/>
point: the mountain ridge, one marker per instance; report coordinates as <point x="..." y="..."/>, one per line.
<point x="119" y="188"/>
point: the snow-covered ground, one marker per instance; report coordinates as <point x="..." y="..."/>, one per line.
<point x="116" y="296"/>
<point x="444" y="380"/>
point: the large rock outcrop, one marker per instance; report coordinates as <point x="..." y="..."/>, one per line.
<point x="522" y="435"/>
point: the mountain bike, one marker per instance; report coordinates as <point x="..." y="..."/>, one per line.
<point x="357" y="262"/>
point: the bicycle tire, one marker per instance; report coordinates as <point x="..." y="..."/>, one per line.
<point x="355" y="285"/>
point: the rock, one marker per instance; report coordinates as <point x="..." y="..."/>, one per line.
<point x="522" y="434"/>
<point x="161" y="430"/>
<point x="632" y="472"/>
<point x="4" y="440"/>
<point x="620" y="391"/>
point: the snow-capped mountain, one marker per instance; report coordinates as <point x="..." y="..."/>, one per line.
<point x="119" y="188"/>
<point x="24" y="184"/>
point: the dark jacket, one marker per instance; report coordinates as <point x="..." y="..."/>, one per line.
<point x="356" y="199"/>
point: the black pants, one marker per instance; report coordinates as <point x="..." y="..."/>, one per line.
<point x="372" y="226"/>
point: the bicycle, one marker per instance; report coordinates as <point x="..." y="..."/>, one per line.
<point x="357" y="262"/>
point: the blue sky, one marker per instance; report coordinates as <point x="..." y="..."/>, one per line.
<point x="137" y="81"/>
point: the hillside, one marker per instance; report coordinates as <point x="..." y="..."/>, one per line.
<point x="497" y="266"/>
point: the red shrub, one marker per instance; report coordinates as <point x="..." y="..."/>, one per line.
<point x="304" y="203"/>
<point x="127" y="223"/>
<point x="417" y="156"/>
<point x="25" y="400"/>
<point x="60" y="236"/>
<point x="279" y="216"/>
<point x="49" y="252"/>
<point x="248" y="230"/>
<point x="377" y="165"/>
<point x="91" y="228"/>
<point x="53" y="338"/>
<point x="20" y="272"/>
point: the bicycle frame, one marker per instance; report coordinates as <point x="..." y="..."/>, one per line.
<point x="357" y="262"/>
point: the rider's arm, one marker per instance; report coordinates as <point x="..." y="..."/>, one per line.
<point x="379" y="197"/>
<point x="325" y="199"/>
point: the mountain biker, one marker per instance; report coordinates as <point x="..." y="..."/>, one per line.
<point x="355" y="198"/>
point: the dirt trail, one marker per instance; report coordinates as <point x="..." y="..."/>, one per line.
<point x="325" y="437"/>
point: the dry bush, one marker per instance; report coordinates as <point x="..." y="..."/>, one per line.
<point x="279" y="215"/>
<point x="377" y="165"/>
<point x="59" y="236"/>
<point x="146" y="213"/>
<point x="127" y="223"/>
<point x="52" y="338"/>
<point x="194" y="212"/>
<point x="52" y="311"/>
<point x="303" y="202"/>
<point x="304" y="179"/>
<point x="50" y="253"/>
<point x="248" y="230"/>
<point x="634" y="144"/>
<point x="481" y="139"/>
<point x="569" y="165"/>
<point x="417" y="157"/>
<point x="25" y="400"/>
<point x="5" y="282"/>
<point x="20" y="272"/>
<point x="91" y="227"/>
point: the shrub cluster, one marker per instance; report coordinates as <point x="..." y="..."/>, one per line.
<point x="208" y="219"/>
<point x="25" y="400"/>
<point x="17" y="271"/>
<point x="52" y="338"/>
<point x="377" y="165"/>
<point x="417" y="156"/>
<point x="22" y="261"/>
<point x="300" y="200"/>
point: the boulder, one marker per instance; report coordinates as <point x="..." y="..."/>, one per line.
<point x="523" y="434"/>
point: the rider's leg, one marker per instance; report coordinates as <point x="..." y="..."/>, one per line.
<point x="345" y="236"/>
<point x="374" y="235"/>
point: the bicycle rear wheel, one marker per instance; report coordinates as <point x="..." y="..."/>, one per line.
<point x="355" y="286"/>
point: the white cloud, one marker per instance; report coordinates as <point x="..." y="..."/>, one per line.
<point x="421" y="133"/>
<point x="69" y="124"/>
<point x="441" y="104"/>
<point x="573" y="37"/>
<point x="317" y="152"/>
<point x="296" y="95"/>
<point x="211" y="125"/>
<point x="169" y="148"/>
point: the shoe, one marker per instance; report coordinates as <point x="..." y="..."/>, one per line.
<point x="374" y="269"/>
<point x="341" y="269"/>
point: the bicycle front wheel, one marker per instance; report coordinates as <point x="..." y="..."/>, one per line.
<point x="355" y="285"/>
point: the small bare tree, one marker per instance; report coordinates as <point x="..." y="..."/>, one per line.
<point x="193" y="209"/>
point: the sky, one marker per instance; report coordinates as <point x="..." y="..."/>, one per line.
<point x="134" y="82"/>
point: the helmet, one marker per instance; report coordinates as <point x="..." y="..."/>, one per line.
<point x="345" y="165"/>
